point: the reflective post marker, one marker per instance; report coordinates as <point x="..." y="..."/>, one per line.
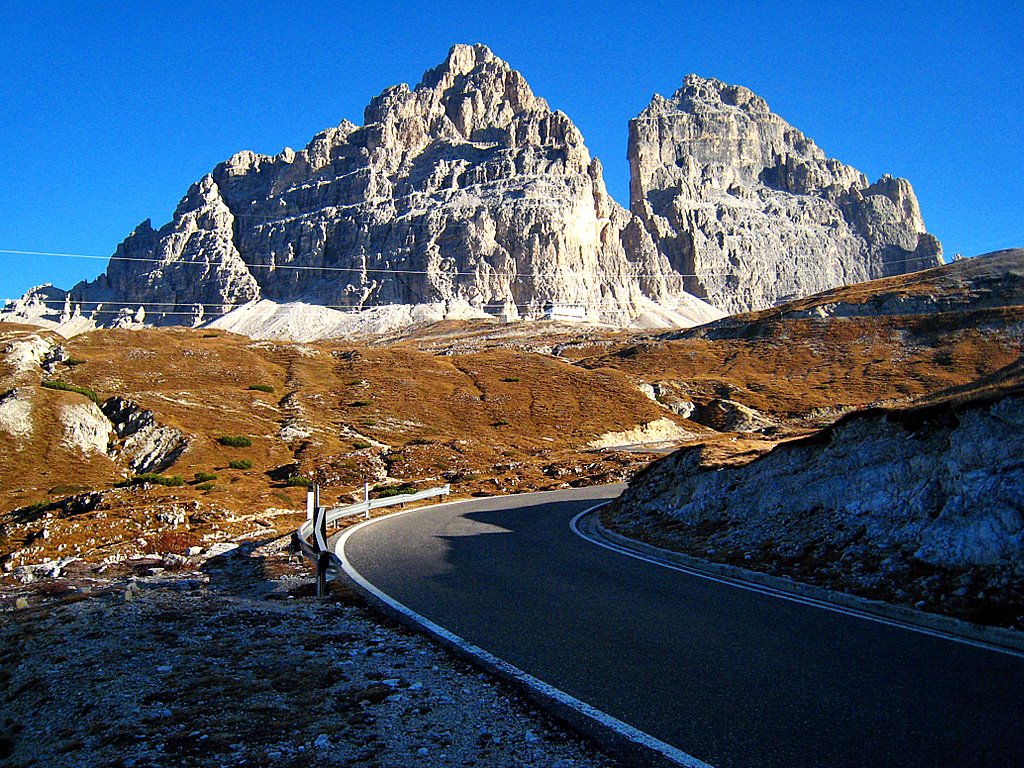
<point x="323" y="558"/>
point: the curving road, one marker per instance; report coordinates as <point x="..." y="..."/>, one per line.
<point x="732" y="677"/>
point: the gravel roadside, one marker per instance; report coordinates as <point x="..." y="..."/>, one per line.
<point x="230" y="662"/>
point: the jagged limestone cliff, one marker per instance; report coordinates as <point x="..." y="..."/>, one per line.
<point x="469" y="195"/>
<point x="467" y="188"/>
<point x="753" y="212"/>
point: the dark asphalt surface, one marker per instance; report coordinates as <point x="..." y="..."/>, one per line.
<point x="732" y="677"/>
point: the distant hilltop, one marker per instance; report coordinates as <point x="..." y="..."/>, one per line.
<point x="469" y="196"/>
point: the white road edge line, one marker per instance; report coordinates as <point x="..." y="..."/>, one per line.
<point x="624" y="730"/>
<point x="777" y="593"/>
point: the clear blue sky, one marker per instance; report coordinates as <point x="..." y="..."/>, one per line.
<point x="110" y="111"/>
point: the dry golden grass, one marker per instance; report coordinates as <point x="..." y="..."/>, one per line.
<point x="495" y="418"/>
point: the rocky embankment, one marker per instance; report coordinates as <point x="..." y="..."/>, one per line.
<point x="920" y="506"/>
<point x="228" y="661"/>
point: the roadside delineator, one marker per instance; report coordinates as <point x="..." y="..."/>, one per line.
<point x="311" y="537"/>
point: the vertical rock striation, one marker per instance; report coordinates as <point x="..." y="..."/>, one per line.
<point x="466" y="188"/>
<point x="751" y="211"/>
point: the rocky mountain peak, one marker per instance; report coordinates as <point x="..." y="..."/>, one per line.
<point x="752" y="211"/>
<point x="467" y="189"/>
<point x="710" y="93"/>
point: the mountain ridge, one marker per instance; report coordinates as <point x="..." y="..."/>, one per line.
<point x="469" y="189"/>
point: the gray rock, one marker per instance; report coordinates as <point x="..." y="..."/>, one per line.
<point x="942" y="482"/>
<point x="753" y="211"/>
<point x="145" y="445"/>
<point x="466" y="188"/>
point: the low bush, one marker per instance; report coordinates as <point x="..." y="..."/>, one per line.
<point x="500" y="423"/>
<point x="65" y="387"/>
<point x="204" y="477"/>
<point x="67" y="490"/>
<point x="360" y="444"/>
<point x="360" y="403"/>
<point x="71" y="362"/>
<point x="393" y="490"/>
<point x="172" y="481"/>
<point x="235" y="441"/>
<point x="205" y="486"/>
<point x="240" y="464"/>
<point x="511" y="379"/>
<point x="297" y="481"/>
<point x="261" y="387"/>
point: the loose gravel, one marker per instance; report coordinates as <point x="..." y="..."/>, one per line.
<point x="231" y="662"/>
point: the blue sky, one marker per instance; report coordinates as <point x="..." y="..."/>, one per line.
<point x="112" y="110"/>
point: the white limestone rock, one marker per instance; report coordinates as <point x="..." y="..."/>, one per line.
<point x="85" y="428"/>
<point x="143" y="444"/>
<point x="467" y="188"/>
<point x="753" y="212"/>
<point x="943" y="484"/>
<point x="16" y="416"/>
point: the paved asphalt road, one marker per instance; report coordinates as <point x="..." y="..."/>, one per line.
<point x="735" y="678"/>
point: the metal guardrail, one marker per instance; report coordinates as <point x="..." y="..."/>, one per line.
<point x="311" y="536"/>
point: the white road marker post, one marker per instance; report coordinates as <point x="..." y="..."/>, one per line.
<point x="323" y="557"/>
<point x="309" y="502"/>
<point x="366" y="497"/>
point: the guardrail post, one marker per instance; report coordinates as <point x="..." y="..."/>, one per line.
<point x="323" y="558"/>
<point x="309" y="502"/>
<point x="323" y="562"/>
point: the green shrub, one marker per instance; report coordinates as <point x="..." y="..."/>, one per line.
<point x="500" y="423"/>
<point x="360" y="403"/>
<point x="420" y="441"/>
<point x="235" y="441"/>
<point x="67" y="490"/>
<point x="297" y="481"/>
<point x="204" y="477"/>
<point x="511" y="379"/>
<point x="240" y="464"/>
<point x="151" y="477"/>
<point x="393" y="490"/>
<point x="71" y="362"/>
<point x="64" y="387"/>
<point x="360" y="444"/>
<point x="205" y="486"/>
<point x="261" y="387"/>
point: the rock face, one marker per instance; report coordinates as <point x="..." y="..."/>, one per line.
<point x="752" y="212"/>
<point x="940" y="484"/>
<point x="145" y="445"/>
<point x="467" y="188"/>
<point x="468" y="191"/>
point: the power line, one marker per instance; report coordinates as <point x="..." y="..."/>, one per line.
<point x="384" y="270"/>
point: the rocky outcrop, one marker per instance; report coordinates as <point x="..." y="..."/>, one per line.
<point x="16" y="416"/>
<point x="85" y="429"/>
<point x="468" y="188"/>
<point x="752" y="212"/>
<point x="50" y="308"/>
<point x="660" y="431"/>
<point x="143" y="444"/>
<point x="940" y="484"/>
